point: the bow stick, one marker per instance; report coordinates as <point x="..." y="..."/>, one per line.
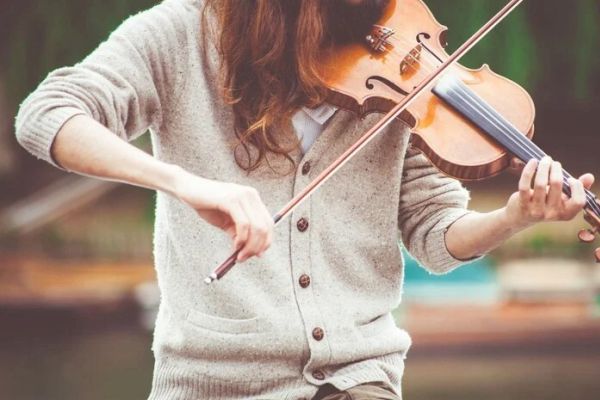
<point x="328" y="172"/>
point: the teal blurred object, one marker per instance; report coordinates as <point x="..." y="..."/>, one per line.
<point x="475" y="283"/>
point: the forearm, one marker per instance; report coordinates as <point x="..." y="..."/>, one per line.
<point x="476" y="234"/>
<point x="539" y="199"/>
<point x="87" y="147"/>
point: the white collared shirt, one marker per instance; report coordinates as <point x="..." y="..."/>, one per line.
<point x="309" y="123"/>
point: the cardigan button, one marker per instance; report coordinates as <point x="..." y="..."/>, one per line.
<point x="306" y="168"/>
<point x="318" y="334"/>
<point x="304" y="281"/>
<point x="302" y="224"/>
<point x="318" y="375"/>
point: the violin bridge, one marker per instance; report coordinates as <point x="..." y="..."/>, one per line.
<point x="412" y="58"/>
<point x="378" y="39"/>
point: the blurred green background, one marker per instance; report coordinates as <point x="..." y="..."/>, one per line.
<point x="76" y="291"/>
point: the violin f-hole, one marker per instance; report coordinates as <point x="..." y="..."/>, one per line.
<point x="427" y="36"/>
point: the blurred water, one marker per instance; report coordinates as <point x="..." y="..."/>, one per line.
<point x="60" y="355"/>
<point x="474" y="283"/>
<point x="72" y="361"/>
<point x="73" y="355"/>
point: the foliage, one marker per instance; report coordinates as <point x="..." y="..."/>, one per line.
<point x="551" y="47"/>
<point x="38" y="36"/>
<point x="539" y="44"/>
<point x="545" y="244"/>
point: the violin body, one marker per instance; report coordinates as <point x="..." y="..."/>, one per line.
<point x="375" y="75"/>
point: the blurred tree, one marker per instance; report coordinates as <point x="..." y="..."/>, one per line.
<point x="37" y="36"/>
<point x="587" y="45"/>
<point x="549" y="46"/>
<point x="6" y="155"/>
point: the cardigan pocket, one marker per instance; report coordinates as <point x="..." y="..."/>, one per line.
<point x="240" y="350"/>
<point x="223" y="325"/>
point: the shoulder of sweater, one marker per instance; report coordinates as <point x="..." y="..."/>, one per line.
<point x="185" y="5"/>
<point x="178" y="11"/>
<point x="182" y="15"/>
<point x="193" y="3"/>
<point x="166" y="27"/>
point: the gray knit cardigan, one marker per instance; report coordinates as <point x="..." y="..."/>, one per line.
<point x="316" y="308"/>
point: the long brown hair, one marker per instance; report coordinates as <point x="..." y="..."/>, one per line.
<point x="269" y="52"/>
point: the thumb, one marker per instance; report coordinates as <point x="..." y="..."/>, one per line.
<point x="516" y="165"/>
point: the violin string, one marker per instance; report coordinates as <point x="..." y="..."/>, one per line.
<point x="518" y="138"/>
<point x="430" y="65"/>
<point x="590" y="199"/>
<point x="524" y="143"/>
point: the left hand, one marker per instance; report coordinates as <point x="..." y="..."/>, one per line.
<point x="540" y="196"/>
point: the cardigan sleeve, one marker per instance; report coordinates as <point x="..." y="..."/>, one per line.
<point x="123" y="84"/>
<point x="429" y="203"/>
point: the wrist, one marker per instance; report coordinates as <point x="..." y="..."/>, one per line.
<point x="513" y="222"/>
<point x="175" y="179"/>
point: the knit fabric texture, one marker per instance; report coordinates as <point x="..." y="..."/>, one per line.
<point x="252" y="334"/>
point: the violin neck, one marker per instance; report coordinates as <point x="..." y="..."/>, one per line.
<point x="471" y="106"/>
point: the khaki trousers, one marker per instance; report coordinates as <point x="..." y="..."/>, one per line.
<point x="367" y="391"/>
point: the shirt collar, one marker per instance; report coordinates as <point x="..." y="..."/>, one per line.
<point x="322" y="113"/>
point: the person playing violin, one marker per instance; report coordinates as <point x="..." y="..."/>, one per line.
<point x="232" y="97"/>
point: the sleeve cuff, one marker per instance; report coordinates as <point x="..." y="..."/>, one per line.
<point x="442" y="261"/>
<point x="43" y="132"/>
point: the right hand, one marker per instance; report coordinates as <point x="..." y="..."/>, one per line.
<point x="236" y="209"/>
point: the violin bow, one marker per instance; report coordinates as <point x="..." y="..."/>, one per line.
<point x="328" y="172"/>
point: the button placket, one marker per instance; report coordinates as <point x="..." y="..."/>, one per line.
<point x="303" y="288"/>
<point x="301" y="267"/>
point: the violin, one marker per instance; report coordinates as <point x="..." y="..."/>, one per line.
<point x="469" y="125"/>
<point x="469" y="122"/>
